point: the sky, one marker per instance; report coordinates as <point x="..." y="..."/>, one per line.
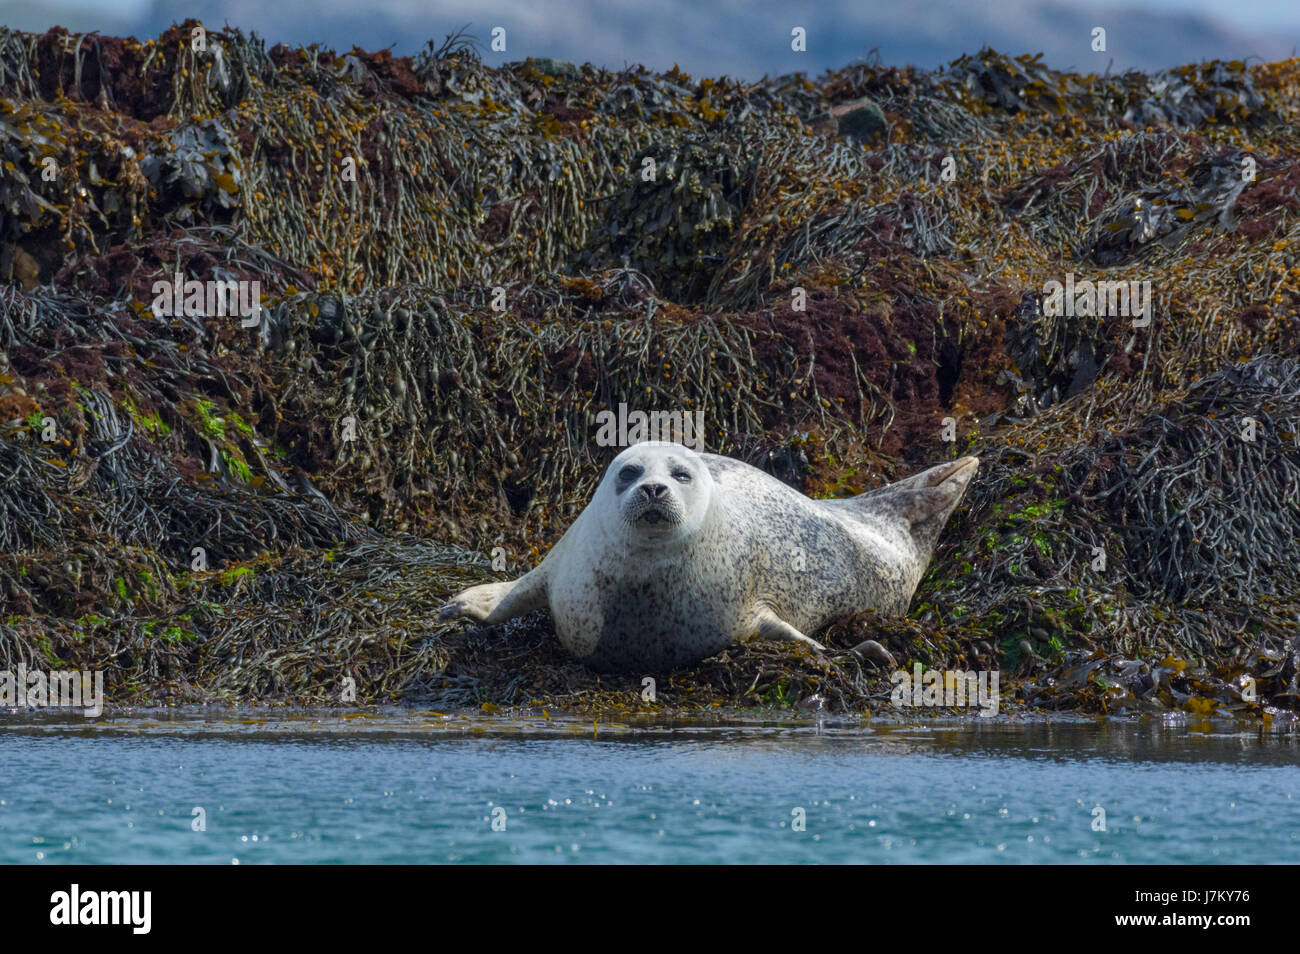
<point x="744" y="38"/>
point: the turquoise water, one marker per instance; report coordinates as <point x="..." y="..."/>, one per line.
<point x="413" y="787"/>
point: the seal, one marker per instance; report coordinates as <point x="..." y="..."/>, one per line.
<point x="678" y="555"/>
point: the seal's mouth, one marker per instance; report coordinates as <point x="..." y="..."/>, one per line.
<point x="652" y="515"/>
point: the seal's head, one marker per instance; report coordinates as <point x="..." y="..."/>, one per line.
<point x="659" y="492"/>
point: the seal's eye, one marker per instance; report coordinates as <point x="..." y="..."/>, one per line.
<point x="627" y="475"/>
<point x="683" y="475"/>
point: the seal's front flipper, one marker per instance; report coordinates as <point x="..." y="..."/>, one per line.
<point x="497" y="602"/>
<point x="771" y="626"/>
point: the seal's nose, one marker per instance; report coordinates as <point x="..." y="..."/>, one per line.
<point x="654" y="491"/>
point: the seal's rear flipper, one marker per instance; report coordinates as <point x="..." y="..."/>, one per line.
<point x="770" y="626"/>
<point x="925" y="500"/>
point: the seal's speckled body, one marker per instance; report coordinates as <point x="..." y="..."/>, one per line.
<point x="680" y="554"/>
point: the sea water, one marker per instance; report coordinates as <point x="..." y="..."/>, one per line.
<point x="412" y="786"/>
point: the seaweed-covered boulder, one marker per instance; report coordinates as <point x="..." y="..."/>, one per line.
<point x="458" y="268"/>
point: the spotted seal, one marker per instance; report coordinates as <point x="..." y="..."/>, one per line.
<point x="680" y="554"/>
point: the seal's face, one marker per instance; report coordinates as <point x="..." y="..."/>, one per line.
<point x="662" y="490"/>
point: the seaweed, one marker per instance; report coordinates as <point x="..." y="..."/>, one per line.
<point x="460" y="266"/>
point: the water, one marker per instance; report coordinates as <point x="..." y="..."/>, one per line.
<point x="419" y="787"/>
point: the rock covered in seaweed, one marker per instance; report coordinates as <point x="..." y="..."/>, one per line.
<point x="835" y="300"/>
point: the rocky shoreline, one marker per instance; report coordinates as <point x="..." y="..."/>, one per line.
<point x="457" y="268"/>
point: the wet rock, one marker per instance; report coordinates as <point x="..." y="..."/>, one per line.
<point x="872" y="651"/>
<point x="861" y="119"/>
<point x="785" y="460"/>
<point x="330" y="321"/>
<point x="561" y="69"/>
